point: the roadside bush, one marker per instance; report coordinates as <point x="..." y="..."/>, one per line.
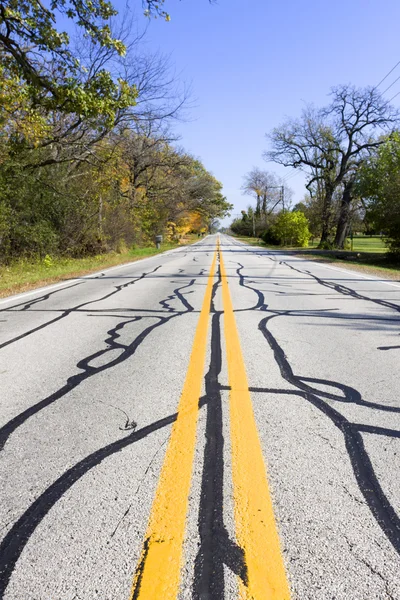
<point x="291" y="229"/>
<point x="347" y="244"/>
<point x="242" y="227"/>
<point x="269" y="236"/>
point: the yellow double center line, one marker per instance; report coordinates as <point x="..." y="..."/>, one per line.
<point x="158" y="573"/>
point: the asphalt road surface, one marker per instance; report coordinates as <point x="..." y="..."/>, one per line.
<point x="219" y="421"/>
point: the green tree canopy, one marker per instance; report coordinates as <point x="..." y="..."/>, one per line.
<point x="36" y="53"/>
<point x="379" y="185"/>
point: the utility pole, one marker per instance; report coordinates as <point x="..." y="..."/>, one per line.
<point x="254" y="226"/>
<point x="281" y="189"/>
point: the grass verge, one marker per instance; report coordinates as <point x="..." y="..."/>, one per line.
<point x="364" y="243"/>
<point x="251" y="241"/>
<point x="24" y="275"/>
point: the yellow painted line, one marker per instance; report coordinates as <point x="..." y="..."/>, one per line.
<point x="158" y="573"/>
<point x="256" y="530"/>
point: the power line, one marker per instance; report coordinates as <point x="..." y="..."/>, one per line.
<point x="392" y="84"/>
<point x="387" y="75"/>
<point x="395" y="96"/>
<point x="289" y="175"/>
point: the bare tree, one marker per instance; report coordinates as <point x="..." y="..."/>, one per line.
<point x="268" y="190"/>
<point x="253" y="186"/>
<point x="357" y="116"/>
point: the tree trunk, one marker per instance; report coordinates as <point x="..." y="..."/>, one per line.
<point x="100" y="220"/>
<point x="258" y="206"/>
<point x="326" y="213"/>
<point x="344" y="216"/>
<point x="264" y="204"/>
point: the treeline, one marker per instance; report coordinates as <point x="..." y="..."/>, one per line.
<point x="349" y="152"/>
<point x="88" y="162"/>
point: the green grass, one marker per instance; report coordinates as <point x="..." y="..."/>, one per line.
<point x="362" y="243"/>
<point x="373" y="244"/>
<point x="23" y="275"/>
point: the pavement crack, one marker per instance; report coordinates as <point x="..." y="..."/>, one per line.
<point x="371" y="568"/>
<point x="150" y="464"/>
<point x="18" y="536"/>
<point x="65" y="313"/>
<point x="260" y="305"/>
<point x="140" y="484"/>
<point x="352" y="496"/>
<point x="111" y="342"/>
<point x="328" y="441"/>
<point x="87" y="370"/>
<point x="216" y="548"/>
<point x="344" y="290"/>
<point x="120" y="521"/>
<point x="27" y="305"/>
<point x="363" y="470"/>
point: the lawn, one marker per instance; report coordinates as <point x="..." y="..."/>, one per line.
<point x="361" y="243"/>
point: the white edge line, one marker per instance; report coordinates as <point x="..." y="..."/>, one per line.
<point x="350" y="272"/>
<point x="56" y="286"/>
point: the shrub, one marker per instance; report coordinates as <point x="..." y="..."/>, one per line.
<point x="291" y="228"/>
<point x="269" y="236"/>
<point x="347" y="244"/>
<point x="325" y="246"/>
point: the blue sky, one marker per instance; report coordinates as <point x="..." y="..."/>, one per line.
<point x="252" y="63"/>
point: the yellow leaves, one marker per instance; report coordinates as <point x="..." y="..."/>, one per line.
<point x="188" y="221"/>
<point x="194" y="221"/>
<point x="124" y="184"/>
